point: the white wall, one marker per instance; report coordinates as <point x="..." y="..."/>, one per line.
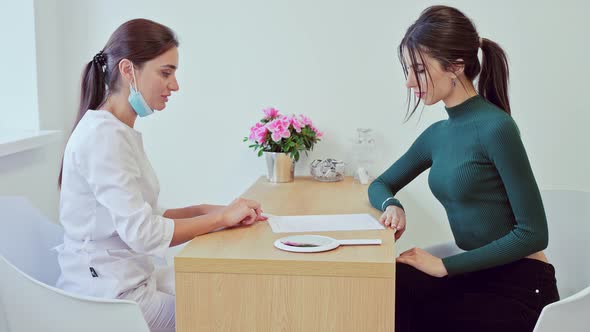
<point x="3" y="320"/>
<point x="32" y="59"/>
<point x="18" y="84"/>
<point x="336" y="62"/>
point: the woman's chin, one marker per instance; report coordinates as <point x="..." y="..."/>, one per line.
<point x="429" y="101"/>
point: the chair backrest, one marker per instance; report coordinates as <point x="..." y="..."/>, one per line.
<point x="29" y="268"/>
<point x="570" y="314"/>
<point x="27" y="239"/>
<point x="568" y="219"/>
<point x="30" y="305"/>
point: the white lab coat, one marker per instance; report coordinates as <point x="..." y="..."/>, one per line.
<point x="109" y="210"/>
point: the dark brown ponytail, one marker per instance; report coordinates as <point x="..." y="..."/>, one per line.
<point x="138" y="40"/>
<point x="493" y="79"/>
<point x="447" y="35"/>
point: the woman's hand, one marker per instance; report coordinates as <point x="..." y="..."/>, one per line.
<point x="394" y="217"/>
<point x="241" y="212"/>
<point x="423" y="261"/>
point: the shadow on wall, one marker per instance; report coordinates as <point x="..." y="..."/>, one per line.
<point x="422" y="227"/>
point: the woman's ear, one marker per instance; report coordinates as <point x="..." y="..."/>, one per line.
<point x="125" y="69"/>
<point x="458" y="67"/>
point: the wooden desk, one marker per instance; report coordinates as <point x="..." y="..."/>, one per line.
<point x="236" y="280"/>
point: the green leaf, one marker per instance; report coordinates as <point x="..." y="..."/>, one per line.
<point x="260" y="153"/>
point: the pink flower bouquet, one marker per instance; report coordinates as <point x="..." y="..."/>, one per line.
<point x="283" y="133"/>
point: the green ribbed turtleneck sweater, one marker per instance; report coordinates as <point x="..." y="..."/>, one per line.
<point x="480" y="172"/>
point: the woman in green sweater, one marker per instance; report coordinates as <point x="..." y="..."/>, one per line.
<point x="480" y="172"/>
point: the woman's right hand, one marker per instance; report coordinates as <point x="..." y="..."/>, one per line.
<point x="394" y="217"/>
<point x="241" y="212"/>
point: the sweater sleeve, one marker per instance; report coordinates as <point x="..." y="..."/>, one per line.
<point x="416" y="160"/>
<point x="506" y="151"/>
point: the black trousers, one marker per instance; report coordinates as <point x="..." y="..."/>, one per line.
<point x="504" y="298"/>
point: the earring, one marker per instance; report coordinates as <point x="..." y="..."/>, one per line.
<point x="453" y="82"/>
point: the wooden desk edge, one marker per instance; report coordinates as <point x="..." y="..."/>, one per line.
<point x="286" y="267"/>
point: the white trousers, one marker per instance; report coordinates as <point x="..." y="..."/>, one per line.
<point x="156" y="299"/>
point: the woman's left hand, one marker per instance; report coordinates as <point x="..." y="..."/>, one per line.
<point x="423" y="261"/>
<point x="257" y="216"/>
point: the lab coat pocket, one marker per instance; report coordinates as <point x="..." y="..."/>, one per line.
<point x="125" y="271"/>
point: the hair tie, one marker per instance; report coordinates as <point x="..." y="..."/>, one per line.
<point x="100" y="59"/>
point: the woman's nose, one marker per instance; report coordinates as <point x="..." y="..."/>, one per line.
<point x="410" y="80"/>
<point x="174" y="86"/>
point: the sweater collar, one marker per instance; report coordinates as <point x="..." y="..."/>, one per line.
<point x="463" y="109"/>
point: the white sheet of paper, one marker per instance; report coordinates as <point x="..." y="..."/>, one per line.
<point x="323" y="223"/>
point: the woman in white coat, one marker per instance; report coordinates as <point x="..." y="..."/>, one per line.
<point x="109" y="191"/>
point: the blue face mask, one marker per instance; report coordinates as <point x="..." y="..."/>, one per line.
<point x="136" y="99"/>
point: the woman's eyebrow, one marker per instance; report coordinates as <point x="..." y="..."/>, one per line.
<point x="415" y="65"/>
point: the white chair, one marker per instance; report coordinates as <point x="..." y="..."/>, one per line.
<point x="568" y="219"/>
<point x="29" y="268"/>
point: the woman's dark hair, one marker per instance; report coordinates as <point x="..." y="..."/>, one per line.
<point x="447" y="35"/>
<point x="139" y="41"/>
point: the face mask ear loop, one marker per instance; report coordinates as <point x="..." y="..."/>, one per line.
<point x="134" y="79"/>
